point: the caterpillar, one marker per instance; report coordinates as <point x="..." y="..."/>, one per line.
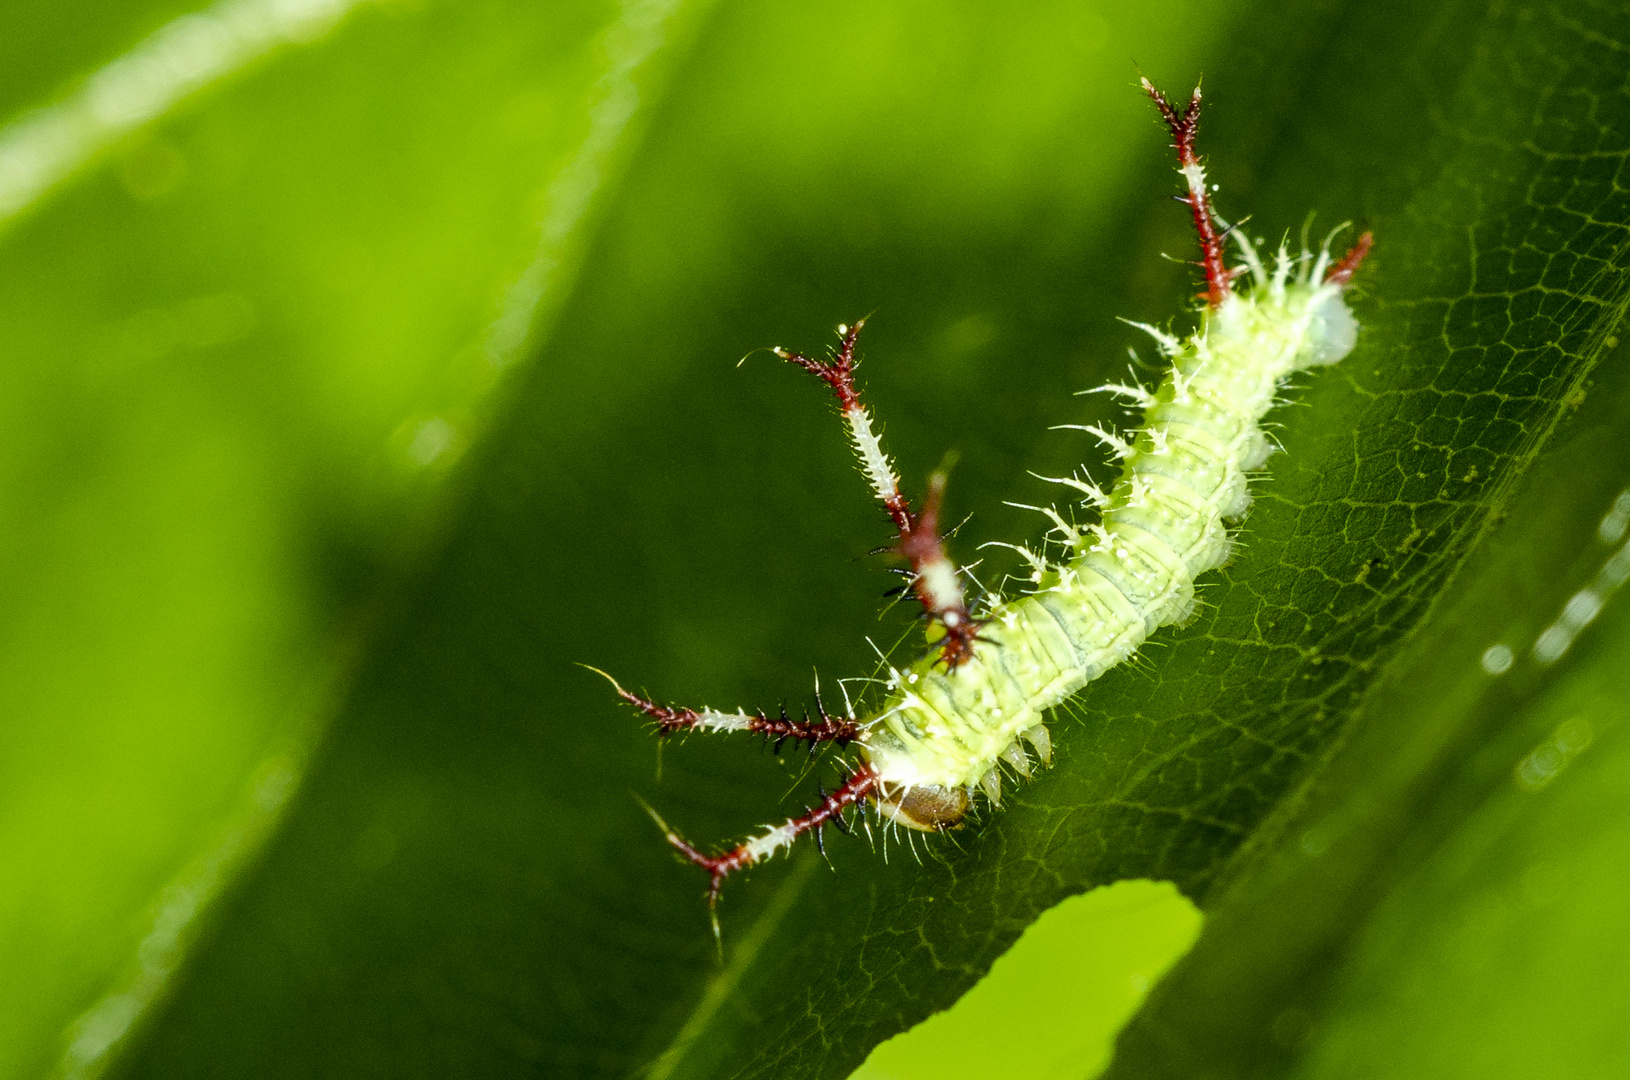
<point x="974" y="704"/>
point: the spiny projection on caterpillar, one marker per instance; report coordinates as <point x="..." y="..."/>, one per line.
<point x="974" y="705"/>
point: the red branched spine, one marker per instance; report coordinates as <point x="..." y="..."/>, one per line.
<point x="1342" y="273"/>
<point x="858" y="787"/>
<point x="671" y="718"/>
<point x="934" y="577"/>
<point x="1183" y="124"/>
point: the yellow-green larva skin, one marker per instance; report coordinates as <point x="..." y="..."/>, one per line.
<point x="1184" y="478"/>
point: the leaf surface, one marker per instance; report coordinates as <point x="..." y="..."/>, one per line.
<point x="465" y="884"/>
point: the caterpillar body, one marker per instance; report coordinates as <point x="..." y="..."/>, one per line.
<point x="975" y="704"/>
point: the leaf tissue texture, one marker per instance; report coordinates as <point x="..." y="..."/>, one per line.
<point x="465" y="884"/>
<point x="1439" y="901"/>
<point x="241" y="346"/>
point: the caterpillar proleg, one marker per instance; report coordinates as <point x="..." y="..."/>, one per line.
<point x="975" y="704"/>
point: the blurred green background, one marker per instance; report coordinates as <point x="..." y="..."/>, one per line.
<point x="366" y="366"/>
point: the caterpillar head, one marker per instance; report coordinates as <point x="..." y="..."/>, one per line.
<point x="1331" y="330"/>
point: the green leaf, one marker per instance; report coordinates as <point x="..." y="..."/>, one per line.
<point x="242" y="347"/>
<point x="1444" y="896"/>
<point x="231" y="552"/>
<point x="1051" y="1006"/>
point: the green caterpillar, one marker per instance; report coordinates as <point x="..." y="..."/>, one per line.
<point x="976" y="702"/>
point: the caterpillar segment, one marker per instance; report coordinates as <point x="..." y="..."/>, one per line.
<point x="975" y="703"/>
